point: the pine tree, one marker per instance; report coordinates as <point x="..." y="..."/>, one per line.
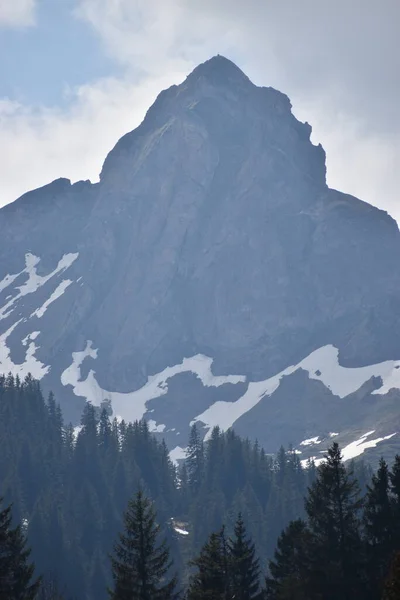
<point x="140" y="565"/>
<point x="395" y="490"/>
<point x="195" y="459"/>
<point x="49" y="590"/>
<point x="244" y="566"/>
<point x="213" y="459"/>
<point x="247" y="504"/>
<point x="105" y="432"/>
<point x="16" y="572"/>
<point x="211" y="580"/>
<point x="333" y="507"/>
<point x="392" y="585"/>
<point x="378" y="524"/>
<point x="288" y="577"/>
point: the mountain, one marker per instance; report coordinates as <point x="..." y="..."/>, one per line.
<point x="211" y="275"/>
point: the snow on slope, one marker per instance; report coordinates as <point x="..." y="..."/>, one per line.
<point x="311" y="441"/>
<point x="177" y="454"/>
<point x="224" y="414"/>
<point x="132" y="405"/>
<point x="181" y="531"/>
<point x="359" y="446"/>
<point x="322" y="365"/>
<point x="58" y="292"/>
<point x="391" y="380"/>
<point x="34" y="281"/>
<point x="353" y="449"/>
<point x="30" y="337"/>
<point x="7" y="281"/>
<point x="154" y="428"/>
<point x="30" y="364"/>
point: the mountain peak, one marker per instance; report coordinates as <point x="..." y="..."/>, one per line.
<point x="219" y="69"/>
<point x="210" y="257"/>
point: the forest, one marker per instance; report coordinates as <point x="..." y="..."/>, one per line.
<point x="100" y="511"/>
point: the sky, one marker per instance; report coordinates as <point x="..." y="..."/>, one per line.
<point x="75" y="75"/>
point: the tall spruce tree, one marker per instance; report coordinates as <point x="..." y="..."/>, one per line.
<point x="392" y="584"/>
<point x="243" y="564"/>
<point x="195" y="459"/>
<point x="140" y="565"/>
<point x="378" y="524"/>
<point x="50" y="590"/>
<point x="211" y="579"/>
<point x="16" y="573"/>
<point x="289" y="571"/>
<point x="395" y="491"/>
<point x="333" y="506"/>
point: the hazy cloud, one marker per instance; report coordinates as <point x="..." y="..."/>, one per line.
<point x="17" y="13"/>
<point x="40" y="145"/>
<point x="338" y="62"/>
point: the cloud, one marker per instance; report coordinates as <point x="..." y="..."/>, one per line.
<point x="17" y="13"/>
<point x="40" y="145"/>
<point x="337" y="61"/>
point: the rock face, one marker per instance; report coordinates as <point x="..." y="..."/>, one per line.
<point x="211" y="233"/>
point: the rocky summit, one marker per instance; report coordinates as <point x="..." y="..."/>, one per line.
<point x="210" y="276"/>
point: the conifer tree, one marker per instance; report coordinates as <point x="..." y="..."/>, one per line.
<point x="392" y="585"/>
<point x="211" y="580"/>
<point x="195" y="459"/>
<point x="140" y="565"/>
<point x="333" y="507"/>
<point x="395" y="477"/>
<point x="395" y="490"/>
<point x="105" y="431"/>
<point x="214" y="455"/>
<point x="243" y="564"/>
<point x="288" y="577"/>
<point x="16" y="572"/>
<point x="378" y="523"/>
<point x="50" y="590"/>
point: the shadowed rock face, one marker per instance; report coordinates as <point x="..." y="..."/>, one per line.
<point x="212" y="231"/>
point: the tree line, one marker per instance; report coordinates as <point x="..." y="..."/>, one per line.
<point x="70" y="491"/>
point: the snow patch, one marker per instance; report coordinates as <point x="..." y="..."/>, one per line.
<point x="322" y="365"/>
<point x="132" y="405"/>
<point x="30" y="365"/>
<point x="181" y="531"/>
<point x="359" y="446"/>
<point x="314" y="459"/>
<point x="30" y="337"/>
<point x="7" y="281"/>
<point x="58" y="292"/>
<point x="311" y="441"/>
<point x="343" y="381"/>
<point x="154" y="428"/>
<point x="177" y="454"/>
<point x="224" y="414"/>
<point x="354" y="449"/>
<point x="34" y="281"/>
<point x="77" y="431"/>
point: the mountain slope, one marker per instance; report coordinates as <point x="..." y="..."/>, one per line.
<point x="212" y="236"/>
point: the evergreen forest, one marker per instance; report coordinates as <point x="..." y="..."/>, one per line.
<point x="101" y="512"/>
